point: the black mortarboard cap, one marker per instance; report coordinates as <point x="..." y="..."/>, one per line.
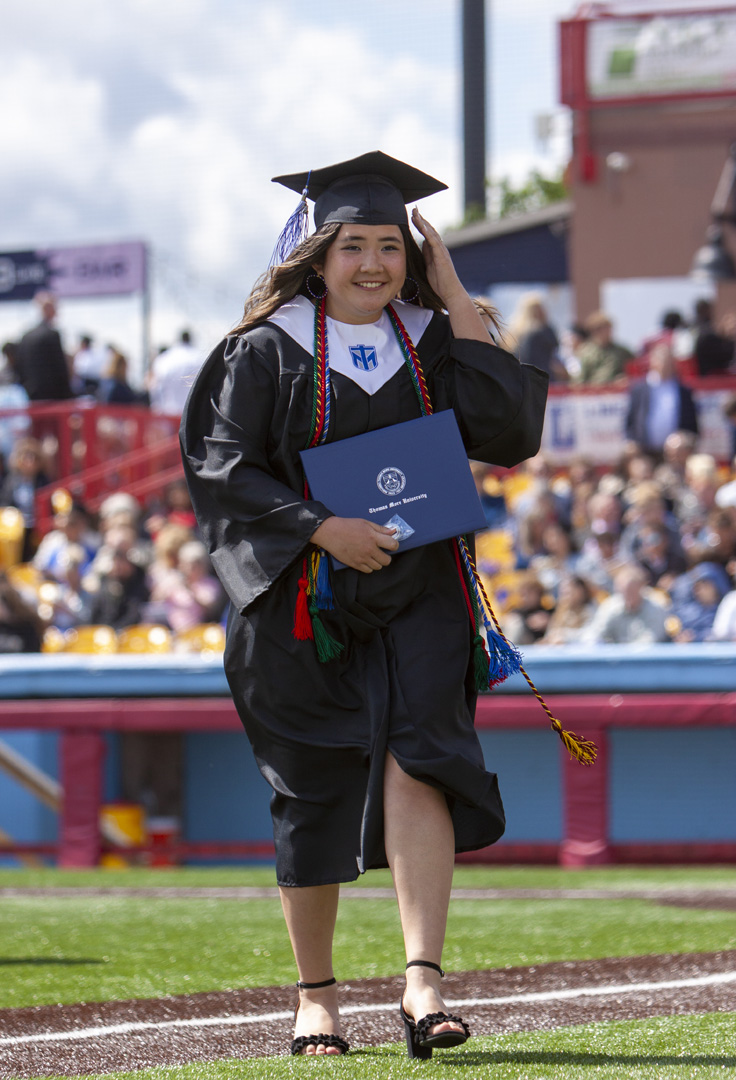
<point x="372" y="189"/>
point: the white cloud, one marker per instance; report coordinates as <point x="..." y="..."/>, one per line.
<point x="164" y="121"/>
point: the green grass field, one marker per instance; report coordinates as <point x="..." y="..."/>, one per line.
<point x="103" y="947"/>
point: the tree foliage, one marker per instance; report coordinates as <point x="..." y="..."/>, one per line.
<point x="536" y="192"/>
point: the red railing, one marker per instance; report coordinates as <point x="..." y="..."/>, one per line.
<point x="94" y="450"/>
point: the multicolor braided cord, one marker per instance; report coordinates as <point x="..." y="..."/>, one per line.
<point x="495" y="657"/>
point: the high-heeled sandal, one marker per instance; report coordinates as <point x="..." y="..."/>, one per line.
<point x="299" y="1044"/>
<point x="419" y="1043"/>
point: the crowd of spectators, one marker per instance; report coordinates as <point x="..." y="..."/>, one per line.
<point x="643" y="551"/>
<point x="125" y="566"/>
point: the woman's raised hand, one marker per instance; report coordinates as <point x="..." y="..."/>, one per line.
<point x="438" y="261"/>
<point x="464" y="317"/>
<point x="358" y="543"/>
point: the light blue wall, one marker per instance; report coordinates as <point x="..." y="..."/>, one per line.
<point x="226" y="798"/>
<point x="529" y="775"/>
<point x="672" y="784"/>
<point x="22" y="815"/>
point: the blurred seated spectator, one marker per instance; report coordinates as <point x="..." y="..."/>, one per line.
<point x="21" y="629"/>
<point x="601" y="558"/>
<point x="122" y="591"/>
<point x="670" y="475"/>
<point x="556" y="561"/>
<point x="661" y="561"/>
<point x="714" y="347"/>
<point x="176" y="510"/>
<point x="26" y="474"/>
<point x="490" y="493"/>
<point x="695" y="599"/>
<point x="725" y="496"/>
<point x="189" y="595"/>
<point x="659" y="404"/>
<point x="573" y="613"/>
<point x="698" y="496"/>
<point x="724" y="622"/>
<point x="729" y="411"/>
<point x="12" y="396"/>
<point x="716" y="541"/>
<point x="527" y="620"/>
<point x="88" y="367"/>
<point x="536" y="341"/>
<point x="69" y="604"/>
<point x="72" y="527"/>
<point x="628" y="616"/>
<point x="114" y="388"/>
<point x="42" y="365"/>
<point x="648" y="510"/>
<point x="602" y="360"/>
<point x="166" y="547"/>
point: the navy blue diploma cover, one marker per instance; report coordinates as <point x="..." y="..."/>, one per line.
<point x="413" y="476"/>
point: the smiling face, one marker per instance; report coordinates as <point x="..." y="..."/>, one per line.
<point x="364" y="268"/>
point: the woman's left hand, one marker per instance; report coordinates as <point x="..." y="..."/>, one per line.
<point x="437" y="260"/>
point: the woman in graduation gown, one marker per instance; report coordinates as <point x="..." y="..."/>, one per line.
<point x="359" y="707"/>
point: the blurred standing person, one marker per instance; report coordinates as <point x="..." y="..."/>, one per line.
<point x="88" y="366"/>
<point x="659" y="404"/>
<point x="12" y="396"/>
<point x="172" y="375"/>
<point x="602" y="360"/>
<point x="714" y="348"/>
<point x="43" y="368"/>
<point x="536" y="341"/>
<point x="572" y="342"/>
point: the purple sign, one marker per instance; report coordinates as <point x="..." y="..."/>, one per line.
<point x="93" y="270"/>
<point x="97" y="270"/>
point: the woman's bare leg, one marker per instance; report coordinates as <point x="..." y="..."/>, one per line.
<point x="420" y="847"/>
<point x="310" y="915"/>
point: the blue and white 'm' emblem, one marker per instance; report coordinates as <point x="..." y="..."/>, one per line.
<point x="364" y="357"/>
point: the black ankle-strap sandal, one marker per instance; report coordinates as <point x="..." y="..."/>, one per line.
<point x="298" y="1045"/>
<point x="419" y="1043"/>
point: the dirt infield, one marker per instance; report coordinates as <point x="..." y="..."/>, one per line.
<point x="78" y="1040"/>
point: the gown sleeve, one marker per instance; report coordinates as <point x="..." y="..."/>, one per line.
<point x="245" y="496"/>
<point x="499" y="403"/>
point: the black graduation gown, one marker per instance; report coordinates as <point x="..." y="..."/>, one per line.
<point x="320" y="731"/>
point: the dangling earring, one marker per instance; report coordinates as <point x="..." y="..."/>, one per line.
<point x="415" y="294"/>
<point x="322" y="286"/>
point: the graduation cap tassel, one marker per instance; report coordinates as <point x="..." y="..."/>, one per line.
<point x="294" y="232"/>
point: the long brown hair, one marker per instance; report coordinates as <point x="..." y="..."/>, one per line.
<point x="282" y="283"/>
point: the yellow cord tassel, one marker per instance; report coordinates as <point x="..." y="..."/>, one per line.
<point x="581" y="749"/>
<point x="577" y="747"/>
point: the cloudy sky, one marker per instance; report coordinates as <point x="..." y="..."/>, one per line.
<point x="163" y="121"/>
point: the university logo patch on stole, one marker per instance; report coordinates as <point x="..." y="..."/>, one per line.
<point x="364" y="357"/>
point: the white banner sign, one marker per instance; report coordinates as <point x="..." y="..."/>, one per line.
<point x="662" y="54"/>
<point x="592" y="425"/>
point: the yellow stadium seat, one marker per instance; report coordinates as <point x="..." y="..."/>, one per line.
<point x="95" y="640"/>
<point x="495" y="547"/>
<point x="53" y="640"/>
<point x="12" y="531"/>
<point x="504" y="589"/>
<point x="145" y="638"/>
<point x="208" y="638"/>
<point x="25" y="576"/>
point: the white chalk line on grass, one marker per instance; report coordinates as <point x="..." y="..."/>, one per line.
<point x="130" y="1027"/>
